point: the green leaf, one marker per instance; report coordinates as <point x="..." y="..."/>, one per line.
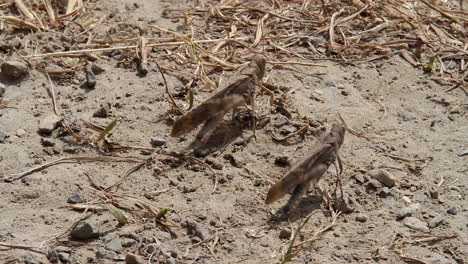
<point x="190" y="97"/>
<point x="430" y="65"/>
<point x="118" y="214"/>
<point x="162" y="214"/>
<point x="106" y="131"/>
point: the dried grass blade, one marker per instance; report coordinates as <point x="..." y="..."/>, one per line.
<point x="50" y="10"/>
<point x="19" y="22"/>
<point x="22" y="7"/>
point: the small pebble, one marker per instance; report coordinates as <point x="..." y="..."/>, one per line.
<point x="158" y="141"/>
<point x="452" y="211"/>
<point x="408" y="211"/>
<point x="14" y="69"/>
<point x="133" y="259"/>
<point x="20" y="132"/>
<point x="75" y="199"/>
<point x="416" y="224"/>
<point x="383" y="176"/>
<point x="362" y="218"/>
<point x="330" y="83"/>
<point x="83" y="230"/>
<point x="90" y="76"/>
<point x="385" y="192"/>
<point x="105" y="254"/>
<point x="197" y="229"/>
<point x="47" y="142"/>
<point x="230" y="176"/>
<point x="344" y="204"/>
<point x="115" y="245"/>
<point x="3" y="136"/>
<point x="285" y="233"/>
<point x="214" y="163"/>
<point x="49" y="123"/>
<point x="171" y="261"/>
<point x="434" y="193"/>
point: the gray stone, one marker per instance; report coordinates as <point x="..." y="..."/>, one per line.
<point x="434" y="193"/>
<point x="236" y="159"/>
<point x="452" y="211"/>
<point x="47" y="142"/>
<point x="408" y="116"/>
<point x="3" y="136"/>
<point x="158" y="141"/>
<point x="170" y="260"/>
<point x="416" y="224"/>
<point x="15" y="69"/>
<point x="49" y="123"/>
<point x="280" y="121"/>
<point x="383" y="176"/>
<point x="372" y="185"/>
<point x="75" y="198"/>
<point x="63" y="256"/>
<point x="128" y="242"/>
<point x="115" y="245"/>
<point x="83" y="230"/>
<point x="330" y="83"/>
<point x="215" y="163"/>
<point x="385" y="192"/>
<point x="197" y="229"/>
<point x="63" y="249"/>
<point x="285" y="233"/>
<point x="362" y="217"/>
<point x="436" y="221"/>
<point x="408" y="211"/>
<point x="344" y="204"/>
<point x="230" y="176"/>
<point x="133" y="259"/>
<point x="20" y="132"/>
<point x="105" y="254"/>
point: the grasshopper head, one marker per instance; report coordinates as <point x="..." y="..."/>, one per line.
<point x="338" y="131"/>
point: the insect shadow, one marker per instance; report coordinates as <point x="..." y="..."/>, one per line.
<point x="294" y="210"/>
<point x="226" y="133"/>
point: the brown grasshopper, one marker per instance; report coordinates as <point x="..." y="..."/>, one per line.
<point x="311" y="168"/>
<point x="239" y="89"/>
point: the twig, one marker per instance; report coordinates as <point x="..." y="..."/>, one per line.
<point x="350" y="130"/>
<point x="71" y="52"/>
<point x="17" y="176"/>
<point x="316" y="235"/>
<point x="412" y="259"/>
<point x="444" y="14"/>
<point x="30" y="248"/>
<point x="409" y="160"/>
<point x="299" y="131"/>
<point x="296" y="62"/>
<point x="382" y="105"/>
<point x="52" y="93"/>
<point x="167" y="90"/>
<point x="133" y="169"/>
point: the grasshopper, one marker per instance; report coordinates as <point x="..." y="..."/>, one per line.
<point x="239" y="89"/>
<point x="311" y="168"/>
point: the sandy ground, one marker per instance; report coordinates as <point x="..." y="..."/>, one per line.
<point x="414" y="131"/>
